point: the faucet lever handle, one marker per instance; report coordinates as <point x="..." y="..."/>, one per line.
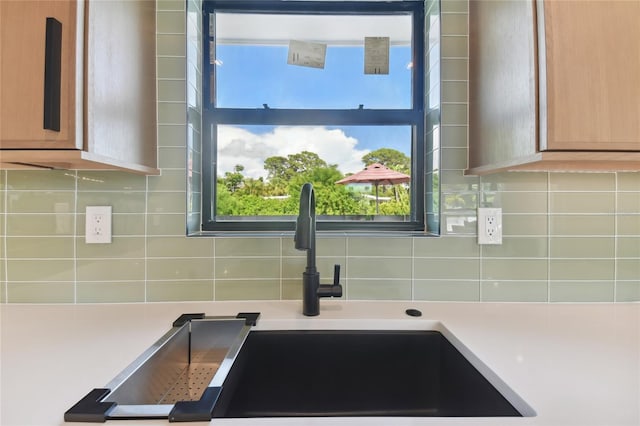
<point x="336" y="274"/>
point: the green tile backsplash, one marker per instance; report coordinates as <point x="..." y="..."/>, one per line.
<point x="568" y="237"/>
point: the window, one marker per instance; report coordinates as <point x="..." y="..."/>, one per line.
<point x="297" y="91"/>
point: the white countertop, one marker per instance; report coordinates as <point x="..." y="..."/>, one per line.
<point x="573" y="364"/>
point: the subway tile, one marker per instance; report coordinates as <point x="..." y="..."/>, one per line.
<point x="514" y="269"/>
<point x="455" y="6"/>
<point x="172" y="68"/>
<point x="47" y="270"/>
<point x="582" y="202"/>
<point x="166" y="202"/>
<point x="170" y="45"/>
<point x="455" y="136"/>
<point x="179" y="290"/>
<point x="40" y="247"/>
<point x="458" y="225"/>
<point x="455" y="47"/>
<point x="169" y="224"/>
<point x="110" y="181"/>
<point x="582" y="225"/>
<point x="628" y="181"/>
<point x="2" y="244"/>
<point x="628" y="202"/>
<point x="120" y="247"/>
<point x="454" y="24"/>
<point x="40" y="225"/>
<point x="454" y="69"/>
<point x="168" y="22"/>
<point x="170" y="4"/>
<point x="520" y="202"/>
<point x="378" y="268"/>
<point x="239" y="268"/>
<point x="446" y="290"/>
<point x="454" y="158"/>
<point x="523" y="247"/>
<point x="369" y="289"/>
<point x="237" y="247"/>
<point x="508" y="181"/>
<point x="387" y="247"/>
<point x="110" y="269"/>
<point x="171" y="91"/>
<point x="582" y="247"/>
<point x="525" y="224"/>
<point x="591" y="182"/>
<point x="628" y="291"/>
<point x="172" y="157"/>
<point x="581" y="291"/>
<point x="446" y="247"/>
<point x="581" y="269"/>
<point x="170" y="180"/>
<point x="110" y="292"/>
<point x="628" y="247"/>
<point x="628" y="225"/>
<point x="172" y="135"/>
<point x="172" y="113"/>
<point x="179" y="269"/>
<point x="628" y="269"/>
<point x="258" y="289"/>
<point x="41" y="180"/>
<point x="514" y="291"/>
<point x="40" y="292"/>
<point x="455" y="269"/>
<point x="180" y="246"/>
<point x="459" y="203"/>
<point x="453" y="114"/>
<point x="454" y="91"/>
<point x="292" y="289"/>
<point x="40" y="201"/>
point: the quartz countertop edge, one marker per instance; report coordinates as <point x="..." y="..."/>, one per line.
<point x="573" y="364"/>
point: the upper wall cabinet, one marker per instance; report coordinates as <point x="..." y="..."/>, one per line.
<point x="78" y="85"/>
<point x="554" y="85"/>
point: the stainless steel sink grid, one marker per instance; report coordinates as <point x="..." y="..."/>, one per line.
<point x="178" y="375"/>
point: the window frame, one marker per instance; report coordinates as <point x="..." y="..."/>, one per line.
<point x="414" y="117"/>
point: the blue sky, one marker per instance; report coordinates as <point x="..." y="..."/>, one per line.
<point x="250" y="76"/>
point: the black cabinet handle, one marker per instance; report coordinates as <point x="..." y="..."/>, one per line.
<point x="52" y="77"/>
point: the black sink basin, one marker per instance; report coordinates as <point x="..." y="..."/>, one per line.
<point x="355" y="373"/>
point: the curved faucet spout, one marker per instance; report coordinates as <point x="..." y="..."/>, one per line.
<point x="305" y="239"/>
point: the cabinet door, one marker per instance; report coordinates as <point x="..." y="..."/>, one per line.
<point x="593" y="74"/>
<point x="23" y="33"/>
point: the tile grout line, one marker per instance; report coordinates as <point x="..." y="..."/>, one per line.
<point x="75" y="240"/>
<point x="548" y="237"/>
<point x="4" y="241"/>
<point x="615" y="239"/>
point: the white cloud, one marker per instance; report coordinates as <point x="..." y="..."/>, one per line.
<point x="240" y="146"/>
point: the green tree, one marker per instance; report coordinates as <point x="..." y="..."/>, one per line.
<point x="390" y="158"/>
<point x="281" y="168"/>
<point x="233" y="180"/>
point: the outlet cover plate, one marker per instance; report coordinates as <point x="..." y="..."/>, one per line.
<point x="489" y="226"/>
<point x="97" y="225"/>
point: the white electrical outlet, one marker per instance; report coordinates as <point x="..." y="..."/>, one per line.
<point x="489" y="226"/>
<point x="97" y="225"/>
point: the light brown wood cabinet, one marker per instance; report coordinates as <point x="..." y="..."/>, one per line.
<point x="106" y="85"/>
<point x="554" y="85"/>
